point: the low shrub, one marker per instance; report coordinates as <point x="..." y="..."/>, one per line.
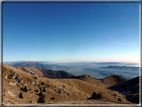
<point x="41" y="99"/>
<point x="52" y="98"/>
<point x="119" y="99"/>
<point x="95" y="96"/>
<point x="21" y="95"/>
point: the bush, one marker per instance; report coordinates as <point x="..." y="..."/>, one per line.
<point x="21" y="95"/>
<point x="41" y="94"/>
<point x="36" y="90"/>
<point x="59" y="91"/>
<point x="99" y="96"/>
<point x="95" y="96"/>
<point x="25" y="89"/>
<point x="41" y="99"/>
<point x="35" y="77"/>
<point x="114" y="94"/>
<point x="52" y="98"/>
<point x="44" y="90"/>
<point x="119" y="99"/>
<point x="42" y="83"/>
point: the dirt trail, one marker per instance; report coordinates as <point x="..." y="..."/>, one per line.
<point x="85" y="102"/>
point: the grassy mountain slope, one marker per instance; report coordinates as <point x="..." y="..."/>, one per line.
<point x="46" y="73"/>
<point x="55" y="90"/>
<point x="113" y="79"/>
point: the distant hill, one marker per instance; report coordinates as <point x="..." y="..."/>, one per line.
<point x="12" y="62"/>
<point x="89" y="79"/>
<point x="30" y="63"/>
<point x="38" y="65"/>
<point x="108" y="63"/>
<point x="83" y="77"/>
<point x="46" y="73"/>
<point x="120" y="67"/>
<point x="113" y="79"/>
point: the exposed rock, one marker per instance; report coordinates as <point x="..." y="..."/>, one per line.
<point x="31" y="82"/>
<point x="20" y="80"/>
<point x="13" y="84"/>
<point x="12" y="75"/>
<point x="64" y="90"/>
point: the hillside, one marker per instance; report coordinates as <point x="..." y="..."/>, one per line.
<point x="130" y="88"/>
<point x="108" y="81"/>
<point x="54" y="90"/>
<point x="45" y="73"/>
<point x="112" y="80"/>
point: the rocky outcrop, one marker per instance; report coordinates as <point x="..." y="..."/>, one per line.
<point x="13" y="75"/>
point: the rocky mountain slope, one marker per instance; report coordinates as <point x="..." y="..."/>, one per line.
<point x="24" y="88"/>
<point x="45" y="73"/>
<point x="108" y="81"/>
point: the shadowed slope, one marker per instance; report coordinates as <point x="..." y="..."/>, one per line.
<point x="130" y="88"/>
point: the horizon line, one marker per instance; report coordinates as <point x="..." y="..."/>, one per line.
<point x="71" y="61"/>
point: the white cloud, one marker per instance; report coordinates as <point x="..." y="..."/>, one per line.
<point x="117" y="42"/>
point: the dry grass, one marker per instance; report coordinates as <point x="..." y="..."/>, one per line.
<point x="63" y="90"/>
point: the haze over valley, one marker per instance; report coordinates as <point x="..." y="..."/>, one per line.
<point x="97" y="70"/>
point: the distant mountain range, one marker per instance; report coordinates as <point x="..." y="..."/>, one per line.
<point x="119" y="67"/>
<point x="36" y="64"/>
<point x="29" y="64"/>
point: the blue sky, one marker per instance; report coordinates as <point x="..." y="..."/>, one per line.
<point x="71" y="32"/>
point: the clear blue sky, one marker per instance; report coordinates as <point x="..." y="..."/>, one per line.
<point x="71" y="32"/>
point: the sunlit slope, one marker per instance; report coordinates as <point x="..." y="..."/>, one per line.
<point x="55" y="90"/>
<point x="46" y="73"/>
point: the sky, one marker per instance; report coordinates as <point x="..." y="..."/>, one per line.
<point x="54" y="32"/>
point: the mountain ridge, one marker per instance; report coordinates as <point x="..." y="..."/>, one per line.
<point x="55" y="90"/>
<point x="59" y="74"/>
<point x="46" y="73"/>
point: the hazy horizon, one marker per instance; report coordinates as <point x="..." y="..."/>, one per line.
<point x="65" y="61"/>
<point x="94" y="69"/>
<point x="62" y="62"/>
